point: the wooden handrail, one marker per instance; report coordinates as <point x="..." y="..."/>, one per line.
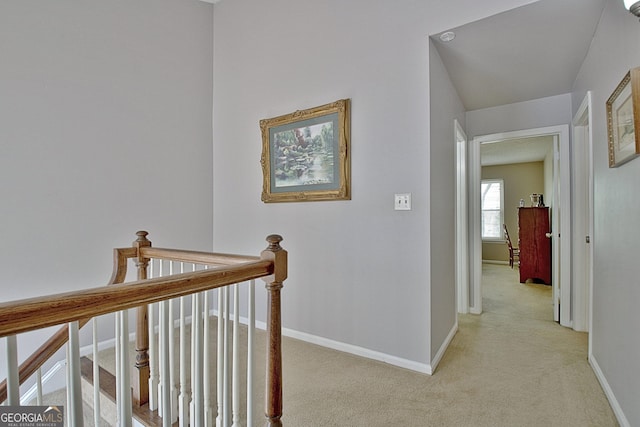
<point x="196" y="257"/>
<point x="36" y="313"/>
<point x="225" y="269"/>
<point x="61" y="336"/>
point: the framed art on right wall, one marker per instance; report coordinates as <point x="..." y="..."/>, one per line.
<point x="623" y="120"/>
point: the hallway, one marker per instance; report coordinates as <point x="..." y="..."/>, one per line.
<point x="510" y="366"/>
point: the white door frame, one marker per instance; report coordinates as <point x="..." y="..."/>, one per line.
<point x="582" y="149"/>
<point x="462" y="233"/>
<point x="562" y="215"/>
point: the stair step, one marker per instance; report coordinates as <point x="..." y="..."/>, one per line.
<point x="108" y="389"/>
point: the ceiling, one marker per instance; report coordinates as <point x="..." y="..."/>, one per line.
<point x="531" y="52"/>
<point x="521" y="150"/>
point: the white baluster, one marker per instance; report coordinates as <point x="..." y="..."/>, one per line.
<point x="220" y="358"/>
<point x="251" y="327"/>
<point x="192" y="414"/>
<point x="165" y="375"/>
<point x="118" y="365"/>
<point x="183" y="398"/>
<point x="67" y="374"/>
<point x="39" y="386"/>
<point x="123" y="381"/>
<point x="96" y="374"/>
<point x="227" y="368"/>
<point x="206" y="369"/>
<point x="172" y="371"/>
<point x="74" y="385"/>
<point x="13" y="381"/>
<point x="235" y="387"/>
<point x="197" y="398"/>
<point x="161" y="344"/>
<point x="153" y="357"/>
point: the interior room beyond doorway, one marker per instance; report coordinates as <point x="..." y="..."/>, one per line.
<point x="522" y="167"/>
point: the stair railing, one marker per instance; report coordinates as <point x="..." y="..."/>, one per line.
<point x="218" y="272"/>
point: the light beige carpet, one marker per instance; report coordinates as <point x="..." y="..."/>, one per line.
<point x="511" y="366"/>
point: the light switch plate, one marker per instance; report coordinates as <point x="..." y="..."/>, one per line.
<point x="403" y="202"/>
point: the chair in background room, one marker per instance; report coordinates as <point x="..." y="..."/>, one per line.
<point x="513" y="252"/>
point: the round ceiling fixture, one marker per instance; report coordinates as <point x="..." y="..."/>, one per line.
<point x="633" y="6"/>
<point x="447" y="36"/>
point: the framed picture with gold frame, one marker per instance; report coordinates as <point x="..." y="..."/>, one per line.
<point x="306" y="155"/>
<point x="623" y="120"/>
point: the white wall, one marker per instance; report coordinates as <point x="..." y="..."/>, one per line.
<point x="360" y="272"/>
<point x="105" y="129"/>
<point x="445" y="107"/>
<point x="537" y="113"/>
<point x="615" y="347"/>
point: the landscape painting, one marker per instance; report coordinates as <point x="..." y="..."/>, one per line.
<point x="306" y="155"/>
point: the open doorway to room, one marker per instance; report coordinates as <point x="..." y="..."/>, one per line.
<point x="539" y="157"/>
<point x="512" y="171"/>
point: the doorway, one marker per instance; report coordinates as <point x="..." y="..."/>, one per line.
<point x="561" y="225"/>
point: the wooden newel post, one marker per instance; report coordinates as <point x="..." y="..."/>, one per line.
<point x="140" y="381"/>
<point x="273" y="396"/>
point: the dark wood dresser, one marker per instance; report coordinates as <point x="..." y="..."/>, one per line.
<point x="534" y="245"/>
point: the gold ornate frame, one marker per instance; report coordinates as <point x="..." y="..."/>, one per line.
<point x="306" y="155"/>
<point x="623" y="120"/>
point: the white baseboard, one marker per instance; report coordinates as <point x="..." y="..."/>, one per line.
<point x="495" y="261"/>
<point x="617" y="410"/>
<point x="443" y="348"/>
<point x="358" y="351"/>
<point x="349" y="348"/>
<point x="51" y="376"/>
